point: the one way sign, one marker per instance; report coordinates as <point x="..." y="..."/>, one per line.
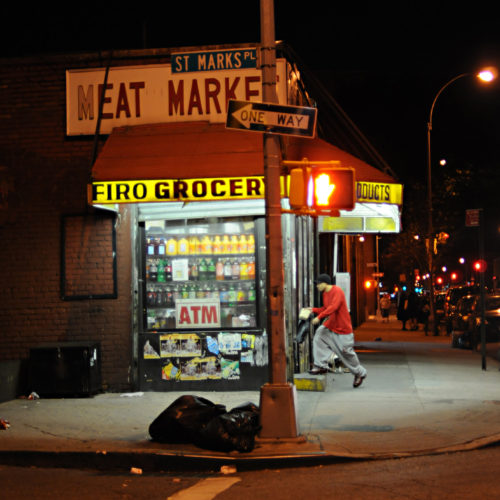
<point x="271" y="118"/>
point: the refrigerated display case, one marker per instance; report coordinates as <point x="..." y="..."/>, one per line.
<point x="203" y="304"/>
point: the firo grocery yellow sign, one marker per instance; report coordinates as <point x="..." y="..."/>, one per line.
<point x="213" y="189"/>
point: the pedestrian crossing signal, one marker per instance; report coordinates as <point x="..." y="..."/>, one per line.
<point x="322" y="188"/>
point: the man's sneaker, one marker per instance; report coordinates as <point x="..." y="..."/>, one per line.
<point x="358" y="380"/>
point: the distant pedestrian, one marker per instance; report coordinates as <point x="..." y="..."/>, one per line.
<point x="335" y="335"/>
<point x="385" y="306"/>
<point x="402" y="311"/>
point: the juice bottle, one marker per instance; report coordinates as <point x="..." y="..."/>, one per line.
<point x="171" y="246"/>
<point x="234" y="246"/>
<point x="183" y="246"/>
<point x="243" y="244"/>
<point x="217" y="245"/>
<point x="161" y="247"/>
<point x="194" y="245"/>
<point x="206" y="245"/>
<point x="226" y="244"/>
<point x="251" y="244"/>
<point x="241" y="295"/>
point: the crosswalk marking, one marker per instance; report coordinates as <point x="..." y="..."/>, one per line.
<point x="206" y="489"/>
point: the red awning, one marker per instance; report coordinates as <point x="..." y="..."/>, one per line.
<point x="199" y="149"/>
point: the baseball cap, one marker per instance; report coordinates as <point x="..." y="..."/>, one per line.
<point x="323" y="278"/>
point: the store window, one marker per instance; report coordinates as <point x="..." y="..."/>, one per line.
<point x="200" y="274"/>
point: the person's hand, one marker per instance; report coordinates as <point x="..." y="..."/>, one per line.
<point x="315" y="321"/>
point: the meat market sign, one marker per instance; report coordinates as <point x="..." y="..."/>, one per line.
<point x="137" y="95"/>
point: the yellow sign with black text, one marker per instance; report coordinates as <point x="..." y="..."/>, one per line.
<point x="213" y="189"/>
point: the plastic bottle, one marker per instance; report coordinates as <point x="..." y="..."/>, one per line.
<point x="219" y="270"/>
<point x="202" y="270"/>
<point x="194" y="245"/>
<point x="251" y="244"/>
<point x="168" y="270"/>
<point x="234" y="247"/>
<point x="153" y="271"/>
<point x="171" y="246"/>
<point x="211" y="272"/>
<point x="151" y="246"/>
<point x="217" y="245"/>
<point x="228" y="270"/>
<point x="251" y="268"/>
<point x="206" y="245"/>
<point x="243" y="244"/>
<point x="226" y="244"/>
<point x="243" y="269"/>
<point x="161" y="271"/>
<point x="235" y="270"/>
<point x="161" y="247"/>
<point x="193" y="275"/>
<point x="182" y="246"/>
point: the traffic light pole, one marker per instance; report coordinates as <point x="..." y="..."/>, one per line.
<point x="278" y="417"/>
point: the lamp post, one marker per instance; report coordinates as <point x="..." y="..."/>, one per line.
<point x="486" y="75"/>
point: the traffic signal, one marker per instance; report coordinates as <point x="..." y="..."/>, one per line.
<point x="322" y="188"/>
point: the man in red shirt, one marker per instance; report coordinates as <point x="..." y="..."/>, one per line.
<point x="335" y="335"/>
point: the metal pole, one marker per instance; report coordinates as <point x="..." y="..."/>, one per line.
<point x="430" y="228"/>
<point x="277" y="400"/>
<point x="481" y="284"/>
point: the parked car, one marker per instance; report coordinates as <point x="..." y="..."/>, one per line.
<point x="453" y="295"/>
<point x="466" y="321"/>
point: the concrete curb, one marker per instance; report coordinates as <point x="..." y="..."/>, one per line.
<point x="200" y="461"/>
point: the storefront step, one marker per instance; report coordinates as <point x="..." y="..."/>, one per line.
<point x="308" y="382"/>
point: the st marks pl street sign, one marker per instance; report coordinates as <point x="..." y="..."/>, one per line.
<point x="271" y="118"/>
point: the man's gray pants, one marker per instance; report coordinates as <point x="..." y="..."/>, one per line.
<point x="326" y="342"/>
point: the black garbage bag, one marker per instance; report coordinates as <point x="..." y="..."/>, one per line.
<point x="303" y="330"/>
<point x="234" y="430"/>
<point x="184" y="419"/>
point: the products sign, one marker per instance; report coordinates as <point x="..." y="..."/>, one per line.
<point x="197" y="313"/>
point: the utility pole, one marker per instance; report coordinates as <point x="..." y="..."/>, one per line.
<point x="278" y="417"/>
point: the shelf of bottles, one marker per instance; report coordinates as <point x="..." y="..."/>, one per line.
<point x="196" y="266"/>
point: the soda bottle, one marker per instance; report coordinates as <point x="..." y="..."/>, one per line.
<point x="251" y="294"/>
<point x="153" y="271"/>
<point x="202" y="270"/>
<point x="194" y="270"/>
<point x="219" y="270"/>
<point x="168" y="270"/>
<point x="161" y="271"/>
<point x="241" y="295"/>
<point x="243" y="269"/>
<point x="251" y="269"/>
<point x="228" y="270"/>
<point x="211" y="272"/>
<point x="235" y="270"/>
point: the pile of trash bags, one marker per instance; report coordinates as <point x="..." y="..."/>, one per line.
<point x="193" y="419"/>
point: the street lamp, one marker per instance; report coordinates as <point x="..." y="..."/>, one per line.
<point x="486" y="75"/>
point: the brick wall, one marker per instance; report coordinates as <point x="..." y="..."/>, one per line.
<point x="43" y="176"/>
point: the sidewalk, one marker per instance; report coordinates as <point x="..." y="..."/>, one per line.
<point x="420" y="397"/>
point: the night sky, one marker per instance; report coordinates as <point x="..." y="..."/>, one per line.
<point x="383" y="68"/>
